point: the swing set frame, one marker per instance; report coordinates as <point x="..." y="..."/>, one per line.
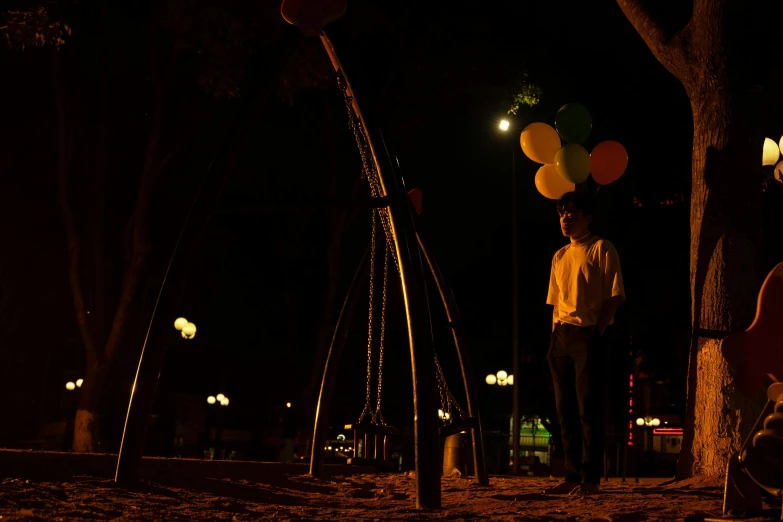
<point x="411" y="256"/>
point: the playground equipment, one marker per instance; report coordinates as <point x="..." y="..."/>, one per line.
<point x="402" y="243"/>
<point x="384" y="184"/>
<point x="755" y="472"/>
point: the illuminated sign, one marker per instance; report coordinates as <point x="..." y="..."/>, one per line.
<point x="667" y="431"/>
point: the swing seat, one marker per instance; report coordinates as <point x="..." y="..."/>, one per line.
<point x="380" y="444"/>
<point x="372" y="429"/>
<point x="459" y="426"/>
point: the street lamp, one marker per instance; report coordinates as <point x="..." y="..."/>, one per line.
<point x="650" y="423"/>
<point x="505" y="126"/>
<point x="219" y="398"/>
<point x="184" y="326"/>
<point x="222" y="400"/>
<point x="501" y="379"/>
<point x="71" y="385"/>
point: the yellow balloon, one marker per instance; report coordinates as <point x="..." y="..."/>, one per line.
<point x="779" y="171"/>
<point x="771" y="152"/>
<point x="540" y="141"/>
<point x="573" y="163"/>
<point x="551" y="184"/>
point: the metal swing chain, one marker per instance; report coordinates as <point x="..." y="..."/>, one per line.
<point x="447" y="400"/>
<point x="368" y="398"/>
<point x="369" y="172"/>
<point x="368" y="168"/>
<point x="378" y="416"/>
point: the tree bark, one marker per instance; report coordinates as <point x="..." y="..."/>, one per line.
<point x="725" y="241"/>
<point x="725" y="223"/>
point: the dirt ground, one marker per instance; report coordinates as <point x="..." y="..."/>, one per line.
<point x="355" y="497"/>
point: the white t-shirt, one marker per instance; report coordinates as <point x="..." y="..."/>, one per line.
<point x="583" y="277"/>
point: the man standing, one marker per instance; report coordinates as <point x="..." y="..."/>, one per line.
<point x="585" y="287"/>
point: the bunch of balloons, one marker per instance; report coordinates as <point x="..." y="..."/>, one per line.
<point x="566" y="165"/>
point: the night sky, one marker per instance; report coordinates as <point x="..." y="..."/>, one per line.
<point x="438" y="80"/>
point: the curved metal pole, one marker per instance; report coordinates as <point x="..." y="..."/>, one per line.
<point x="428" y="462"/>
<point x="468" y="379"/>
<point x="153" y="351"/>
<point x="332" y="366"/>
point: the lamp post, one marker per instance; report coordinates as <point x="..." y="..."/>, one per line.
<point x="222" y="401"/>
<point x="505" y="126"/>
<point x="502" y="378"/>
<point x="650" y="423"/>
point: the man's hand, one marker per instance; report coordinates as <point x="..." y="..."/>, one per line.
<point x="607" y="313"/>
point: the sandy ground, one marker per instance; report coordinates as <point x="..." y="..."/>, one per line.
<point x="356" y="497"/>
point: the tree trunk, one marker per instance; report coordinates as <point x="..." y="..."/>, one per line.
<point x="86" y="426"/>
<point x="726" y="225"/>
<point x="726" y="219"/>
<point x="103" y="325"/>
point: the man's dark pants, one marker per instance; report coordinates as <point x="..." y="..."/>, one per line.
<point x="576" y="359"/>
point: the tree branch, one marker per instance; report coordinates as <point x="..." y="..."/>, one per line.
<point x="669" y="49"/>
<point x="74" y="243"/>
<point x="139" y="241"/>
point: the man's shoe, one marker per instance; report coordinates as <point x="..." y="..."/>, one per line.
<point x="585" y="489"/>
<point x="564" y="488"/>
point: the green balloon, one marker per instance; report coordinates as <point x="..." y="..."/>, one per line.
<point x="573" y="163"/>
<point x="573" y="123"/>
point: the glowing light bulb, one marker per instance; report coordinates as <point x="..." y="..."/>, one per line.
<point x="180" y="323"/>
<point x="189" y="331"/>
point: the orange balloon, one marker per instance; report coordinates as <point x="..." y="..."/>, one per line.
<point x="540" y="141"/>
<point x="551" y="184"/>
<point x="609" y="162"/>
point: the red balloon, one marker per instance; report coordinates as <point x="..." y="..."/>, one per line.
<point x="609" y="162"/>
<point x="310" y="16"/>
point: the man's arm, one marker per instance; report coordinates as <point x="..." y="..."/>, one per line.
<point x="607" y="313"/>
<point x="613" y="286"/>
<point x="553" y="296"/>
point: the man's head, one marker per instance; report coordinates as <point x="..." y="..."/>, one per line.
<point x="576" y="212"/>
